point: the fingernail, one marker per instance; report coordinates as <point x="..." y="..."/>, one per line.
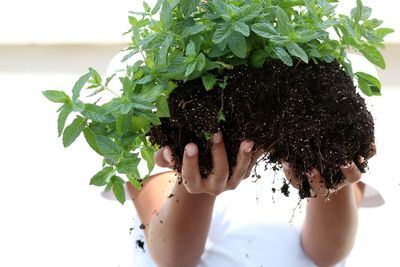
<point x="167" y="156"/>
<point x="247" y="146"/>
<point x="190" y="150"/>
<point x="347" y="165"/>
<point x="285" y="164"/>
<point x="217" y="138"/>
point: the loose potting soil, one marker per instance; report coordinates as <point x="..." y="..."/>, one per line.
<point x="309" y="115"/>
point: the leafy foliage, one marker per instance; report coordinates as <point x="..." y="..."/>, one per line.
<point x="194" y="39"/>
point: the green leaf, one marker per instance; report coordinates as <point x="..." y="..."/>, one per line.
<point x="360" y="12"/>
<point x="102" y="177"/>
<point x="166" y="15"/>
<point x="123" y="123"/>
<point x="373" y="55"/>
<point x="190" y="68"/>
<point x="372" y="23"/>
<point x="283" y="21"/>
<point x="146" y="79"/>
<point x="177" y="65"/>
<point x="78" y="105"/>
<point x="128" y="165"/>
<point x="365" y="13"/>
<point x="190" y="49"/>
<point x="148" y="155"/>
<point x="169" y="40"/>
<point x="150" y="93"/>
<point x="382" y="32"/>
<point x="222" y="8"/>
<point x="56" y="96"/>
<point x="107" y="147"/>
<point x="97" y="113"/>
<point x="146" y="7"/>
<point x="118" y="188"/>
<point x="76" y="90"/>
<point x="73" y="131"/>
<point x="95" y="76"/>
<point x="295" y="50"/>
<point x="192" y="30"/>
<point x="265" y="30"/>
<point x="156" y="7"/>
<point x="201" y="62"/>
<point x="365" y="87"/>
<point x="129" y="55"/>
<point x="91" y="139"/>
<point x="135" y="181"/>
<point x="108" y="80"/>
<point x="62" y="117"/>
<point x="237" y="43"/>
<point x="258" y="58"/>
<point x="283" y="55"/>
<point x="221" y="34"/>
<point x="249" y="12"/>
<point x="209" y="81"/>
<point x="242" y="28"/>
<point x="188" y="6"/>
<point x="162" y="107"/>
<point x="113" y="106"/>
<point x="368" y="84"/>
<point x="139" y="123"/>
<point x="142" y="105"/>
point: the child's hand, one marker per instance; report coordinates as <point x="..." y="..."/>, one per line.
<point x="218" y="181"/>
<point x="350" y="172"/>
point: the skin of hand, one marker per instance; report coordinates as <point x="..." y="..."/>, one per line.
<point x="330" y="225"/>
<point x="218" y="181"/>
<point x="178" y="224"/>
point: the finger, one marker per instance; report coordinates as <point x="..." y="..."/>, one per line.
<point x="290" y="175"/>
<point x="254" y="158"/>
<point x="190" y="169"/>
<point x="163" y="157"/>
<point x="243" y="161"/>
<point x="217" y="180"/>
<point x="372" y="151"/>
<point x="351" y="173"/>
<point x="317" y="185"/>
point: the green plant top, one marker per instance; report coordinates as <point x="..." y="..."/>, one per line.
<point x="193" y="39"/>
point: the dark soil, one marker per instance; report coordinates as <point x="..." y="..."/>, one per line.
<point x="308" y="115"/>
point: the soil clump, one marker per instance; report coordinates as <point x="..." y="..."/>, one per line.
<point x="309" y="115"/>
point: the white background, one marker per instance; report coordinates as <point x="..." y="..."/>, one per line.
<point x="50" y="216"/>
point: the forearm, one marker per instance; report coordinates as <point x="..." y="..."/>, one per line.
<point x="177" y="234"/>
<point x="330" y="227"/>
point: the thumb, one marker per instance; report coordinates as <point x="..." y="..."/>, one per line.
<point x="163" y="157"/>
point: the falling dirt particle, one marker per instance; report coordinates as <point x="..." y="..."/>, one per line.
<point x="140" y="244"/>
<point x="285" y="189"/>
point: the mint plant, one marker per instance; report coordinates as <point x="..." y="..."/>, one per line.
<point x="195" y="39"/>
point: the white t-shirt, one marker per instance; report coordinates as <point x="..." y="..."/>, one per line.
<point x="250" y="226"/>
